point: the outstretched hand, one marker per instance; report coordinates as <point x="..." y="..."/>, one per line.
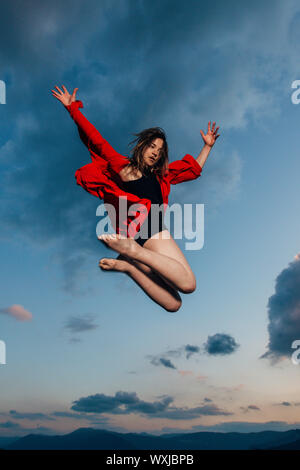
<point x="211" y="136"/>
<point x="64" y="96"/>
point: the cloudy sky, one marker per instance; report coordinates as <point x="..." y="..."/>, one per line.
<point x="86" y="347"/>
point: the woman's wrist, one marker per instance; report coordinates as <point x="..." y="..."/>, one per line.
<point x="207" y="147"/>
<point x="201" y="159"/>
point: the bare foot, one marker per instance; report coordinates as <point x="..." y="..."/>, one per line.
<point x="111" y="264"/>
<point x="124" y="246"/>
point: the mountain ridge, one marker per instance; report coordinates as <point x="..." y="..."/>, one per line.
<point x="101" y="439"/>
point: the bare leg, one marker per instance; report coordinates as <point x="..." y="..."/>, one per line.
<point x="146" y="269"/>
<point x="154" y="286"/>
<point x="163" y="256"/>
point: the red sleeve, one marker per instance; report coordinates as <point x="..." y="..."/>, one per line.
<point x="94" y="140"/>
<point x="185" y="169"/>
<point x="91" y="178"/>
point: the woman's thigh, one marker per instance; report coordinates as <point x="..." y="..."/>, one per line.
<point x="167" y="246"/>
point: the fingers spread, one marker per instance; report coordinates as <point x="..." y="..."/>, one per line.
<point x="56" y="95"/>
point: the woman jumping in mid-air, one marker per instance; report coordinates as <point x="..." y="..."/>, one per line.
<point x="154" y="262"/>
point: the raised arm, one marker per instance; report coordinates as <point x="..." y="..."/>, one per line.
<point x="190" y="168"/>
<point x="88" y="132"/>
<point x="209" y="140"/>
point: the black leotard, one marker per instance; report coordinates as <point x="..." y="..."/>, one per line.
<point x="148" y="187"/>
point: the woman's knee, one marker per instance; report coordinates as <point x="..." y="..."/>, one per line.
<point x="174" y="306"/>
<point x="189" y="284"/>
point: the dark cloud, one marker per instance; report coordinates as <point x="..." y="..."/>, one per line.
<point x="9" y="425"/>
<point x="167" y="363"/>
<point x="126" y="403"/>
<point x="163" y="359"/>
<point x="67" y="414"/>
<point x="16" y="415"/>
<point x="156" y="408"/>
<point x="250" y="408"/>
<point x="80" y="324"/>
<point x="174" y="352"/>
<point x="121" y="403"/>
<point x="192" y="413"/>
<point x="190" y="350"/>
<point x="30" y="416"/>
<point x="217" y="344"/>
<point x="245" y="426"/>
<point x="220" y="344"/>
<point x="284" y="313"/>
<point x="157" y="361"/>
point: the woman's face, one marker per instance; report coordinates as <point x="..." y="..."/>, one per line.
<point x="152" y="153"/>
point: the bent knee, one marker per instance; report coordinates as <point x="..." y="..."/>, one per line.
<point x="174" y="307"/>
<point x="189" y="286"/>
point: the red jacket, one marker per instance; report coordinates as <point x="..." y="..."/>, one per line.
<point x="101" y="177"/>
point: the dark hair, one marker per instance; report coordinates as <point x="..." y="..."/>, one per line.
<point x="143" y="140"/>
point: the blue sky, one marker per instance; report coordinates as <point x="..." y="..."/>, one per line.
<point x="94" y="350"/>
